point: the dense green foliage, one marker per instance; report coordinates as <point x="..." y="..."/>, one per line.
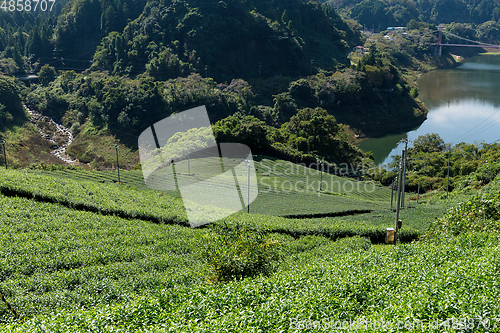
<point x="472" y="166"/>
<point x="157" y="60"/>
<point x="95" y="105"/>
<point x="100" y="197"/>
<point x="56" y="257"/>
<point x="11" y="110"/>
<point x="175" y="39"/>
<point x="408" y="52"/>
<point x="95" y="191"/>
<point x="132" y="286"/>
<point x="479" y="214"/>
<point x="46" y="74"/>
<point x="65" y="36"/>
<point x="236" y="251"/>
<point x="75" y="271"/>
<point x="26" y="38"/>
<point x="231" y="38"/>
<point x="80" y="252"/>
<point x="385" y="13"/>
<point x="309" y="135"/>
<point x="83" y="23"/>
<point x="373" y="99"/>
<point x="341" y="196"/>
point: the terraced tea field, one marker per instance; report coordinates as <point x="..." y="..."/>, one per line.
<point x="284" y="188"/>
<point x="70" y="271"/>
<point x="95" y="191"/>
<point x="55" y="257"/>
<point x="81" y="253"/>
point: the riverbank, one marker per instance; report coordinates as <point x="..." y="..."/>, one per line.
<point x="407" y="57"/>
<point x="457" y="99"/>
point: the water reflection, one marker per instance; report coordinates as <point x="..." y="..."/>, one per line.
<point x="382" y="148"/>
<point x="463" y="103"/>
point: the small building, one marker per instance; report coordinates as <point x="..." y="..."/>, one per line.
<point x="396" y="29"/>
<point x="360" y="49"/>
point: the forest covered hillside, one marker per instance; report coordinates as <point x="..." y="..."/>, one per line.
<point x="109" y="69"/>
<point x="480" y="16"/>
<point x="169" y="39"/>
<point x="228" y="39"/>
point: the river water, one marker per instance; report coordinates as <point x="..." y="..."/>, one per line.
<point x="463" y="103"/>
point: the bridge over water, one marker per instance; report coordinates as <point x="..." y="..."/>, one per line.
<point x="469" y="42"/>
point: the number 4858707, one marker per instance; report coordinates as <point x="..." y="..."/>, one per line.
<point x="27" y="5"/>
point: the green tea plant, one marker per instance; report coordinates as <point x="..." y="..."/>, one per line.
<point x="434" y="283"/>
<point x="332" y="228"/>
<point x="105" y="198"/>
<point x="235" y="250"/>
<point x="481" y="213"/>
<point x="53" y="257"/>
<point x="284" y="188"/>
<point x="98" y="193"/>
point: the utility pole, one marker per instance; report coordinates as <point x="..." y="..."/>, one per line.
<point x="321" y="177"/>
<point x="189" y="166"/>
<point x="2" y="142"/>
<point x="398" y="199"/>
<point x="418" y="191"/>
<point x="206" y="71"/>
<point x="392" y="191"/>
<point x="117" y="163"/>
<point x="448" y="176"/>
<point x="248" y="194"/>
<point x="312" y="61"/>
<point x="404" y="172"/>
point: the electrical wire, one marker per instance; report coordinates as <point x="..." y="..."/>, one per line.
<point x="470" y="40"/>
<point x="463" y="135"/>
<point x="483" y="129"/>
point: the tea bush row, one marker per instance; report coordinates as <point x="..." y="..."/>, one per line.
<point x="284" y="188"/>
<point x="98" y="197"/>
<point x="421" y="284"/>
<point x="332" y="228"/>
<point x="155" y="206"/>
<point x="52" y="257"/>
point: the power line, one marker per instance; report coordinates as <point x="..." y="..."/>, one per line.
<point x="470" y="40"/>
<point x="475" y="127"/>
<point x="492" y="124"/>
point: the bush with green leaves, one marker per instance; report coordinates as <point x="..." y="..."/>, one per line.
<point x="236" y="250"/>
<point x="479" y="214"/>
<point x="11" y="110"/>
<point x="46" y="74"/>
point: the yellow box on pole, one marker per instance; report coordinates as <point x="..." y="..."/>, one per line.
<point x="390" y="234"/>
